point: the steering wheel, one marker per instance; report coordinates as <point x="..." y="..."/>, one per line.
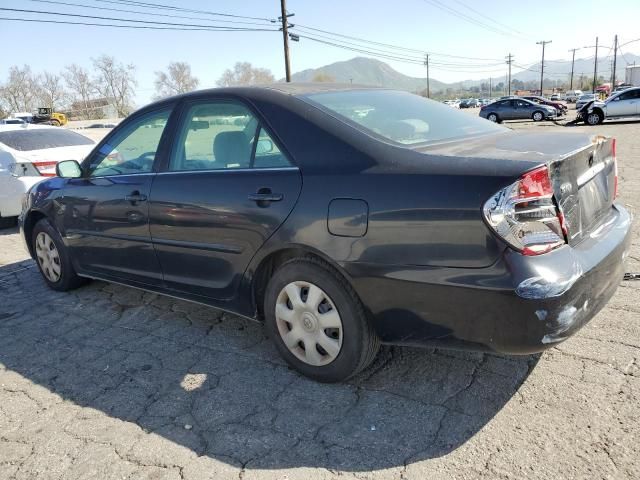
<point x="143" y="162"/>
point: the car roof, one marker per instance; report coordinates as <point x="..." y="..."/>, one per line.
<point x="24" y="126"/>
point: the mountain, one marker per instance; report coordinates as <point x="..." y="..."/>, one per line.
<point x="368" y="71"/>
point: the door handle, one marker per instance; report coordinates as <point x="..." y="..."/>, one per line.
<point x="135" y="197"/>
<point x="264" y="196"/>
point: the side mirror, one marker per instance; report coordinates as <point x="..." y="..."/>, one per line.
<point x="264" y="145"/>
<point x="616" y="99"/>
<point x="68" y="169"/>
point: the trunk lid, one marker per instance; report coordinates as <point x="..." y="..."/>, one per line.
<point x="584" y="184"/>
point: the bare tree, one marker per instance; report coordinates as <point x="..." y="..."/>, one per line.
<point x="51" y="90"/>
<point x="322" y="77"/>
<point x="115" y="81"/>
<point x="20" y="90"/>
<point x="244" y="73"/>
<point x="82" y="89"/>
<point x="176" y="80"/>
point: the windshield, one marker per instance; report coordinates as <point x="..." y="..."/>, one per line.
<point x="401" y="116"/>
<point x="41" y="138"/>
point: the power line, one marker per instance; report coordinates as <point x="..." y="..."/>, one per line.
<point x="137" y="27"/>
<point x="69" y="4"/>
<point x="469" y="19"/>
<point x="396" y="47"/>
<point x="148" y="22"/>
<point x="160" y="6"/>
<point x="488" y="18"/>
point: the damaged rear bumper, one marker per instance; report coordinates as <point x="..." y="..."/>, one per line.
<point x="519" y="305"/>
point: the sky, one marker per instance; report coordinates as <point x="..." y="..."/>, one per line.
<point x="487" y="30"/>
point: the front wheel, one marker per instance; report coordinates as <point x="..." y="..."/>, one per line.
<point x="595" y="118"/>
<point x="492" y="117"/>
<point x="317" y="321"/>
<point x="55" y="123"/>
<point x="53" y="258"/>
<point x="537" y="116"/>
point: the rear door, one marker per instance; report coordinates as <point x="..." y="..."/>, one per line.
<point x="106" y="212"/>
<point x="226" y="188"/>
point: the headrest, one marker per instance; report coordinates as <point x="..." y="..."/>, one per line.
<point x="232" y="148"/>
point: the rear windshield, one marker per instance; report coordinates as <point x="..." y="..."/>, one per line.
<point x="402" y="117"/>
<point x="40" y="138"/>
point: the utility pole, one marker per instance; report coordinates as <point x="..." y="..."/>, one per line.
<point x="573" y="59"/>
<point x="285" y="38"/>
<point x="426" y="62"/>
<point x="543" y="43"/>
<point x="509" y="62"/>
<point x="595" y="69"/>
<point x="615" y="55"/>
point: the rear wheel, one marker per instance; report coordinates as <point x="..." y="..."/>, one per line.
<point x="55" y="123"/>
<point x="492" y="117"/>
<point x="317" y="322"/>
<point x="53" y="258"/>
<point x="537" y="116"/>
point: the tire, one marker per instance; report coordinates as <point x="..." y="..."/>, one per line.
<point x="53" y="262"/>
<point x="8" y="222"/>
<point x="594" y="118"/>
<point x="55" y="123"/>
<point x="492" y="117"/>
<point x="353" y="341"/>
<point x="537" y="116"/>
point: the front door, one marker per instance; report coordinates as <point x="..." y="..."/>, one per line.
<point x="625" y="104"/>
<point x="106" y="212"/>
<point x="226" y="189"/>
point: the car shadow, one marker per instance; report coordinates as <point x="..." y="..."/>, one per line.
<point x="212" y="382"/>
<point x="8" y="231"/>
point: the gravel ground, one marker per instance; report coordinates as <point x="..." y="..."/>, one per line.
<point x="111" y="382"/>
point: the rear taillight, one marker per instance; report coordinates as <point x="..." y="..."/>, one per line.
<point x="46" y="169"/>
<point x="615" y="168"/>
<point x="525" y="216"/>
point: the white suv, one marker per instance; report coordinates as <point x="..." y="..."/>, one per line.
<point x="623" y="104"/>
<point x="572" y="96"/>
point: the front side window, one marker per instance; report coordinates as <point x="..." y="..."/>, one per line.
<point x="223" y="135"/>
<point x="132" y="148"/>
<point x="401" y="117"/>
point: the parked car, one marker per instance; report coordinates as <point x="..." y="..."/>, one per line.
<point x="452" y="103"/>
<point x="560" y="107"/>
<point x="622" y="104"/>
<point x="555" y="97"/>
<point x="572" y="96"/>
<point x="473" y="103"/>
<point x="410" y="224"/>
<point x="29" y="153"/>
<point x="464" y="103"/>
<point x="517" y="109"/>
<point x="12" y="121"/>
<point x="584" y="99"/>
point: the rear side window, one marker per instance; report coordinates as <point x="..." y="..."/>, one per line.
<point x="223" y="135"/>
<point x="41" y="138"/>
<point x="401" y="117"/>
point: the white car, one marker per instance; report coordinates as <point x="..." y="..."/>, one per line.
<point x="27" y="154"/>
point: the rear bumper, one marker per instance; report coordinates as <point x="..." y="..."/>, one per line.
<point x="12" y="197"/>
<point x="519" y="305"/>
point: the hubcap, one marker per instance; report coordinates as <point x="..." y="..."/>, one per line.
<point x="309" y="323"/>
<point x="593" y="119"/>
<point x="48" y="257"/>
<point x="538" y="116"/>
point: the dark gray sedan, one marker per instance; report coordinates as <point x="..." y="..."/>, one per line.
<point x="517" y="109"/>
<point x="343" y="217"/>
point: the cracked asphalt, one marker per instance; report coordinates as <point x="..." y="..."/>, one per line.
<point x="109" y="382"/>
